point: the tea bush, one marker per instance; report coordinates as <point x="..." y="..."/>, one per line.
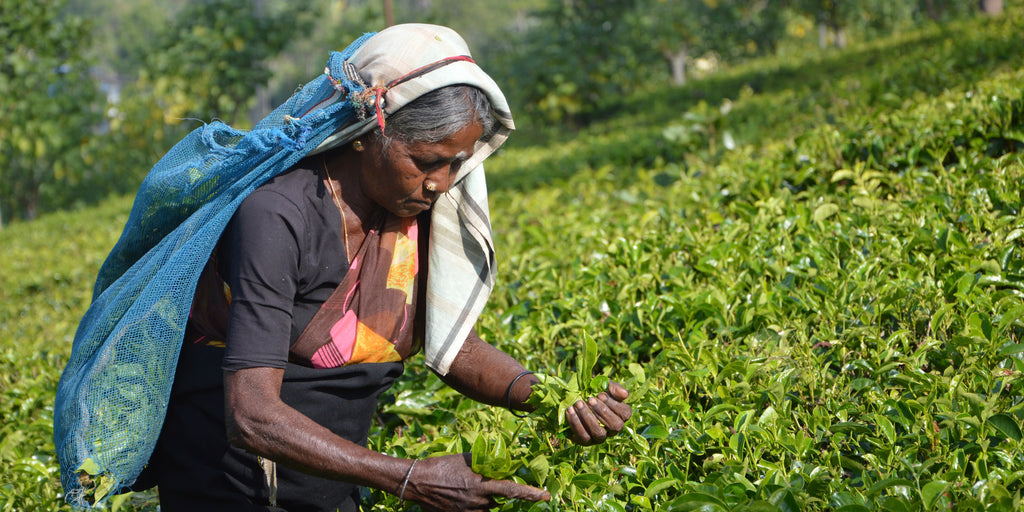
<point x="808" y="273"/>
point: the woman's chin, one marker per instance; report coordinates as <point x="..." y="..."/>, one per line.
<point x="410" y="209"/>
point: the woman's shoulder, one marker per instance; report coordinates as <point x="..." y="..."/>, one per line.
<point x="296" y="201"/>
<point x="294" y="190"/>
<point x="295" y="183"/>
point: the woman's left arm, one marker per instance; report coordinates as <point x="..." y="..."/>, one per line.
<point x="484" y="373"/>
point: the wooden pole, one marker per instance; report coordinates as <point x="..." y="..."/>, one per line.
<point x="992" y="7"/>
<point x="389" y="13"/>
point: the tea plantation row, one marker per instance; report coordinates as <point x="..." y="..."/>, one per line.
<point x="810" y="273"/>
<point x="828" y="310"/>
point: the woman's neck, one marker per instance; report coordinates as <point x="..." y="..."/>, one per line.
<point x="343" y="169"/>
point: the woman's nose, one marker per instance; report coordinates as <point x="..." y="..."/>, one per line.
<point x="441" y="181"/>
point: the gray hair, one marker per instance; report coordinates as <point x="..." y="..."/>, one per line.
<point x="437" y="115"/>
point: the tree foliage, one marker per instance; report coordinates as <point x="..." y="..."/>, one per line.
<point x="682" y="29"/>
<point x="563" y="63"/>
<point x="214" y="55"/>
<point x="583" y="53"/>
<point x="575" y="57"/>
<point x="870" y="18"/>
<point x="47" y="101"/>
<point x="580" y="54"/>
<point x="122" y="34"/>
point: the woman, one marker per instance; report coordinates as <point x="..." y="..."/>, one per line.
<point x="326" y="267"/>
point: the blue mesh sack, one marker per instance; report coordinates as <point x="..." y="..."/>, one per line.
<point x="112" y="396"/>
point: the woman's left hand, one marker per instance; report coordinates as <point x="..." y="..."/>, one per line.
<point x="595" y="419"/>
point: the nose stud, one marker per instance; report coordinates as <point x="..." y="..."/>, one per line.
<point x="431" y="186"/>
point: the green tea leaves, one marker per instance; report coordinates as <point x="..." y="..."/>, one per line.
<point x="1007" y="426"/>
<point x="586" y="358"/>
<point x="491" y="458"/>
<point x="829" y="316"/>
<point x="96" y="484"/>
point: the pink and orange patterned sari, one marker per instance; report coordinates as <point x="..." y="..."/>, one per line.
<point x="369" y="317"/>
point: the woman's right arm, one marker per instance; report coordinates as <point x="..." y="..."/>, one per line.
<point x="262" y="255"/>
<point x="258" y="421"/>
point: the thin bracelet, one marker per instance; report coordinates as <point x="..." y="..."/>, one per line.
<point x="508" y="394"/>
<point x="401" y="494"/>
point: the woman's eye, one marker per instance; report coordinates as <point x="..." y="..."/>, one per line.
<point x="431" y="165"/>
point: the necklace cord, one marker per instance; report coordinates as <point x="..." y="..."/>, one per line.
<point x="341" y="207"/>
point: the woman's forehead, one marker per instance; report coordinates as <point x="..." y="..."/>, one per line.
<point x="458" y="146"/>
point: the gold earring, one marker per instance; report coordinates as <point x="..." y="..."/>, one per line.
<point x="431" y="186"/>
<point x="357" y="145"/>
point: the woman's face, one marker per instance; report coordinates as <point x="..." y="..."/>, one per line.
<point x="397" y="180"/>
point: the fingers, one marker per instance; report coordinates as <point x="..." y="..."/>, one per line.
<point x="591" y="422"/>
<point x="585" y="426"/>
<point x="609" y="412"/>
<point x="510" y="489"/>
<point x="448" y="483"/>
<point x="617" y="411"/>
<point x="622" y="411"/>
<point x="578" y="432"/>
<point x="617" y="391"/>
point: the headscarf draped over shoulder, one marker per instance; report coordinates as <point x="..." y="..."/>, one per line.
<point x="113" y="394"/>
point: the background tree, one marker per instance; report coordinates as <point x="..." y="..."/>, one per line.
<point x="680" y="30"/>
<point x="212" y="57"/>
<point x="122" y="36"/>
<point x="48" y="103"/>
<point x="938" y="10"/>
<point x="334" y="25"/>
<point x="836" y="19"/>
<point x="831" y="17"/>
<point x="563" y="64"/>
<point x="494" y="30"/>
<point x="991" y="7"/>
<point x="575" y="55"/>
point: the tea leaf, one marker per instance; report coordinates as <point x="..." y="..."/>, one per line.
<point x="660" y="485"/>
<point x="932" y="492"/>
<point x="586" y="359"/>
<point x="1006" y="425"/>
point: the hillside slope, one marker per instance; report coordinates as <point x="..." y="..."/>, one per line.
<point x="815" y="267"/>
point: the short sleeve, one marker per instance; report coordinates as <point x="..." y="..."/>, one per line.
<point x="261" y="249"/>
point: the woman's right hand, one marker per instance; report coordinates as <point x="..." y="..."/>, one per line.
<point x="449" y="483"/>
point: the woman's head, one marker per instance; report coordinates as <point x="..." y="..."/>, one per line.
<point x="437" y="115"/>
<point x="423" y="91"/>
<point x="462" y="234"/>
<point x="415" y="82"/>
<point x="426" y="142"/>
